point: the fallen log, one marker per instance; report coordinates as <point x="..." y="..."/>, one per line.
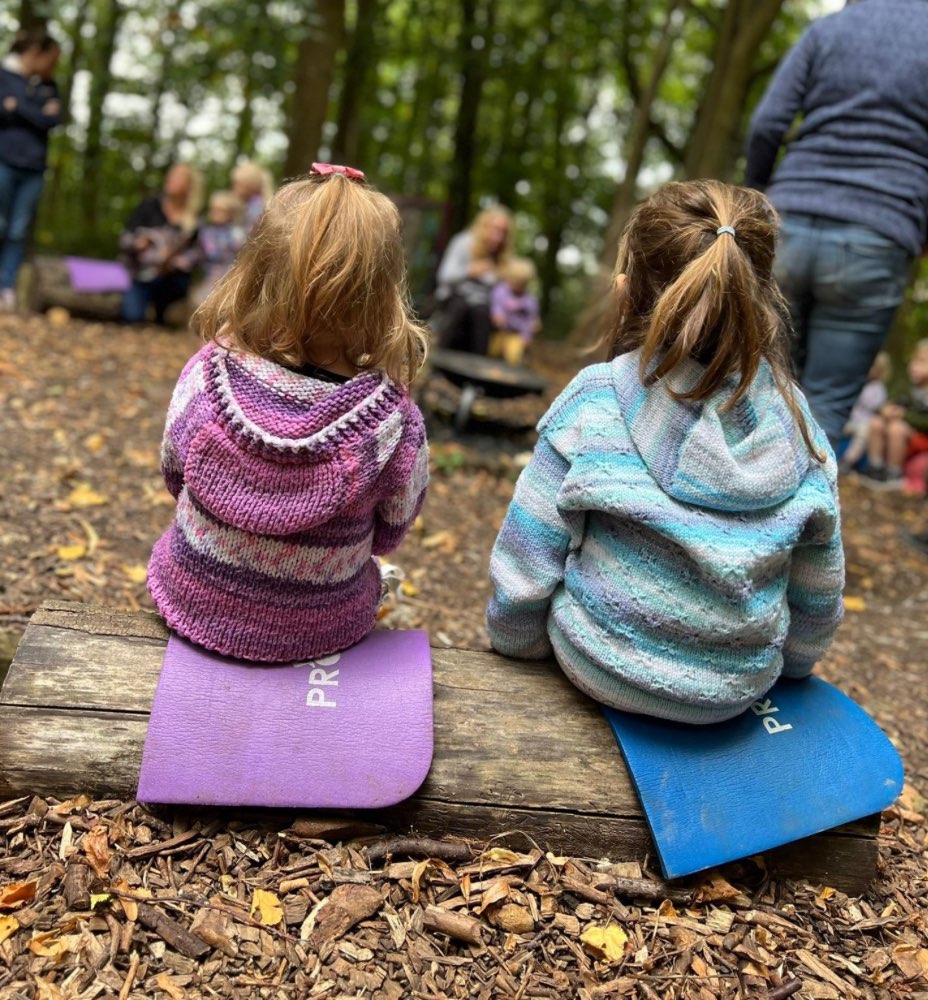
<point x="518" y="749"/>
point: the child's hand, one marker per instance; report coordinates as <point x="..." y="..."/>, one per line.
<point x="893" y="411"/>
<point x="9" y="103"/>
<point x="51" y="107"/>
<point x="499" y="320"/>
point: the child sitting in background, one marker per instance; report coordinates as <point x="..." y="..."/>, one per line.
<point x="253" y="187"/>
<point x="514" y="311"/>
<point x="900" y="429"/>
<point x="675" y="539"/>
<point x="220" y="239"/>
<point x="871" y="400"/>
<point x="292" y="445"/>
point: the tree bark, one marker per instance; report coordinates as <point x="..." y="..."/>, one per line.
<point x="107" y="29"/>
<point x="591" y="324"/>
<point x="473" y="46"/>
<point x="315" y="69"/>
<point x="347" y="146"/>
<point x="712" y="150"/>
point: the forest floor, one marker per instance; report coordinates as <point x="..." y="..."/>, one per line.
<point x="81" y="412"/>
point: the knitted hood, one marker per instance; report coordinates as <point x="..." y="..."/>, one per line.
<point x="747" y="458"/>
<point x="284" y="452"/>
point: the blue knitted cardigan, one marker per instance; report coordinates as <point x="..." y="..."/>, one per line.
<point x="675" y="558"/>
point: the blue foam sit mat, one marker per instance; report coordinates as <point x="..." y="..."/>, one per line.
<point x="802" y="760"/>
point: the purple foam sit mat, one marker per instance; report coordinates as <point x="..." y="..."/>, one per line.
<point x="350" y="731"/>
<point x="88" y="275"/>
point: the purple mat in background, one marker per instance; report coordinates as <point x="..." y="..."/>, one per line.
<point x="97" y="275"/>
<point x="351" y="731"/>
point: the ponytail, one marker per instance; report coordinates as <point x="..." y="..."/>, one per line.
<point x="698" y="259"/>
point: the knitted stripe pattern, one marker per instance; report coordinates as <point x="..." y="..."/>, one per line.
<point x="675" y="557"/>
<point x="286" y="486"/>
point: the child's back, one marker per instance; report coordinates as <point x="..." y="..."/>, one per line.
<point x="292" y="445"/>
<point x="675" y="540"/>
<point x="286" y="485"/>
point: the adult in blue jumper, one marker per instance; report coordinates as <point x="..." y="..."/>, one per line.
<point x="29" y="109"/>
<point x="852" y="188"/>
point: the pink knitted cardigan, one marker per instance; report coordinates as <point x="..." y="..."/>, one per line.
<point x="286" y="486"/>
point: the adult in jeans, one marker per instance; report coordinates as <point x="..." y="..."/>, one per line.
<point x="466" y="276"/>
<point x="29" y="109"/>
<point x="159" y="245"/>
<point x="852" y="188"/>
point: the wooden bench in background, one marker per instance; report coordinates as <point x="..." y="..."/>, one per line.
<point x="516" y="746"/>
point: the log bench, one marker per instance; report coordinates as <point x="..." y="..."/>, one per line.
<point x="517" y="748"/>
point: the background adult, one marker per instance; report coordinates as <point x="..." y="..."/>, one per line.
<point x="852" y="188"/>
<point x="160" y="245"/>
<point x="468" y="271"/>
<point x="29" y="109"/>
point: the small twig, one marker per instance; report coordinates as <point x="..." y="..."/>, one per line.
<point x="130" y="976"/>
<point x="162" y="845"/>
<point x="784" y="990"/>
<point x="414" y="847"/>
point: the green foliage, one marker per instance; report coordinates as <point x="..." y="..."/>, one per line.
<point x="209" y="81"/>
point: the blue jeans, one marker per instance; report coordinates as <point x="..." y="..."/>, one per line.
<point x="160" y="293"/>
<point x="843" y="284"/>
<point x="20" y="191"/>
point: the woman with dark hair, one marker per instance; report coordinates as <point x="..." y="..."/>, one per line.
<point x="29" y="109"/>
<point x="159" y="245"/>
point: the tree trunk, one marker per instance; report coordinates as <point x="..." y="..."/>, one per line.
<point x="712" y="150"/>
<point x="592" y="321"/>
<point x="61" y="146"/>
<point x="34" y="13"/>
<point x="360" y="58"/>
<point x="315" y="69"/>
<point x="106" y="32"/>
<point x="473" y="73"/>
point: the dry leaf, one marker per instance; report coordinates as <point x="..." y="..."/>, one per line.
<point x="129" y="906"/>
<point x="8" y="927"/>
<point x="14" y="895"/>
<point x="666" y="909"/>
<point x="409" y="589"/>
<point x="715" y="889"/>
<point x="270" y="912"/>
<point x="137" y="573"/>
<point x="854" y="603"/>
<point x="497" y="890"/>
<point x="71" y="552"/>
<point x="97" y="898"/>
<point x="605" y="943"/>
<point x="95" y="443"/>
<point x="50" y="945"/>
<point x="420" y="869"/>
<point x="96" y="845"/>
<point x="827" y="892"/>
<point x="500" y="854"/>
<point x="84" y="496"/>
<point x="444" y="541"/>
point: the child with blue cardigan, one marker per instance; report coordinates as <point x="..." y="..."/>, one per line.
<point x="675" y="540"/>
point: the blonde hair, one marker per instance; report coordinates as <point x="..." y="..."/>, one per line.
<point x="882" y="366"/>
<point x="920" y="346"/>
<point x="691" y="292"/>
<point x="255" y="177"/>
<point x="195" y="192"/>
<point x="324" y="263"/>
<point x="227" y="200"/>
<point x="518" y="269"/>
<point x="479" y="231"/>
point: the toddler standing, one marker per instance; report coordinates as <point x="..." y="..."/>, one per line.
<point x="675" y="539"/>
<point x="514" y="310"/>
<point x="220" y="239"/>
<point x="292" y="445"/>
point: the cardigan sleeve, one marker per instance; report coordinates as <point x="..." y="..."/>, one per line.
<point x="814" y="594"/>
<point x="530" y="554"/>
<point x="395" y="515"/>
